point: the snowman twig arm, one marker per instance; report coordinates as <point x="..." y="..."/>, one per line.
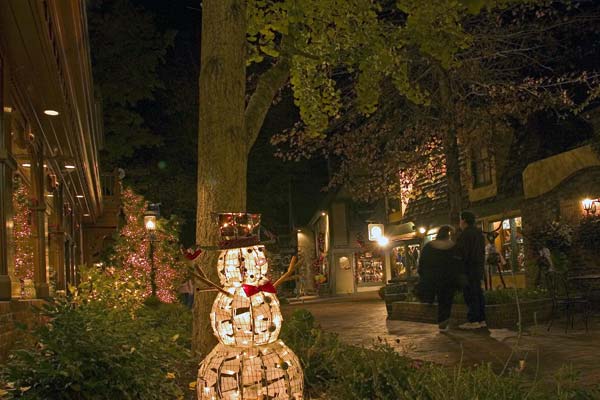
<point x="199" y="274"/>
<point x="289" y="272"/>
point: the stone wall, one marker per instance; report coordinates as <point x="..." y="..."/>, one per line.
<point x="12" y="314"/>
<point x="564" y="204"/>
<point x="498" y="316"/>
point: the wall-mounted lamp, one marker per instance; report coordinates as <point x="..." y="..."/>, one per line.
<point x="589" y="206"/>
<point x="422" y="230"/>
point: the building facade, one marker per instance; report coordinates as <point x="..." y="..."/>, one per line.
<point x="517" y="185"/>
<point x="55" y="206"/>
<point x="334" y="244"/>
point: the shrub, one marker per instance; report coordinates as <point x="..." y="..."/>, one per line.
<point x="87" y="351"/>
<point x="588" y="232"/>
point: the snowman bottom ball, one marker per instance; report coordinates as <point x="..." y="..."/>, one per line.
<point x="264" y="372"/>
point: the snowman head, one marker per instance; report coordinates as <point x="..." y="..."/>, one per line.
<point x="245" y="265"/>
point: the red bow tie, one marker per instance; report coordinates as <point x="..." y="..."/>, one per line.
<point x="252" y="290"/>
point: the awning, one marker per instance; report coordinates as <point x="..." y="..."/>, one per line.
<point x="400" y="231"/>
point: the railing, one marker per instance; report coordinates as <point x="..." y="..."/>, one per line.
<point x="109" y="184"/>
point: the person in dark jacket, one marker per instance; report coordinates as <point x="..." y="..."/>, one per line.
<point x="439" y="270"/>
<point x="471" y="246"/>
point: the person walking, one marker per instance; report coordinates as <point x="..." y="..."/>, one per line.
<point x="439" y="270"/>
<point x="471" y="246"/>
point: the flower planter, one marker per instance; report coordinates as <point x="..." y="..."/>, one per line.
<point x="498" y="315"/>
<point x="394" y="292"/>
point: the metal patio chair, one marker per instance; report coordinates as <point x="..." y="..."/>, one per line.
<point x="565" y="301"/>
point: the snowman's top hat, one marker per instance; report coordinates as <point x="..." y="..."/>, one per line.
<point x="238" y="229"/>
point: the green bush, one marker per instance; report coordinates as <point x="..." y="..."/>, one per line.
<point x="88" y="351"/>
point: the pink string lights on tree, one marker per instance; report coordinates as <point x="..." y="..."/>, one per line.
<point x="23" y="242"/>
<point x="132" y="250"/>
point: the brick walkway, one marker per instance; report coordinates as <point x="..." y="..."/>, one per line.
<point x="361" y="320"/>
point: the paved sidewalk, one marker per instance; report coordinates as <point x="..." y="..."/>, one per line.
<point x="361" y="320"/>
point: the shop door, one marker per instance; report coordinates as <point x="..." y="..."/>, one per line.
<point x="344" y="274"/>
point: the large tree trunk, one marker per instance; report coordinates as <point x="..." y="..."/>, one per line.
<point x="222" y="141"/>
<point x="453" y="176"/>
<point x="451" y="150"/>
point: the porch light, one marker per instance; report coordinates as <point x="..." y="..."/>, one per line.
<point x="26" y="165"/>
<point x="69" y="166"/>
<point x="52" y="113"/>
<point x="79" y="196"/>
<point x="589" y="206"/>
<point x="422" y="230"/>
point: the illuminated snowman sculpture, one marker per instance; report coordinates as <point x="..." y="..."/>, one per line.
<point x="250" y="362"/>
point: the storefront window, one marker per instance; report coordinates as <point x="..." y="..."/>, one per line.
<point x="369" y="268"/>
<point x="405" y="260"/>
<point x="320" y="267"/>
<point x="510" y="242"/>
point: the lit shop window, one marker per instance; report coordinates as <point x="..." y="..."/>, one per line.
<point x="369" y="268"/>
<point x="509" y="242"/>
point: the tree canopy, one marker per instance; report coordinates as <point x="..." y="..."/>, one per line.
<point x="127" y="52"/>
<point x="512" y="61"/>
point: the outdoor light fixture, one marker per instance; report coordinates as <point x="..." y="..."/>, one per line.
<point x="589" y="206"/>
<point x="52" y="113"/>
<point x="69" y="166"/>
<point x="323" y="213"/>
<point x="422" y="230"/>
<point x="49" y="195"/>
<point x="149" y="222"/>
<point x="383" y="241"/>
<point x="79" y="196"/>
<point x="26" y="165"/>
<point x="86" y="215"/>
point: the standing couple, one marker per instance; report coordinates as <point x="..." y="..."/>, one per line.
<point x="447" y="266"/>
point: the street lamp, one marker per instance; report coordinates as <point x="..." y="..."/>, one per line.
<point x="150" y="224"/>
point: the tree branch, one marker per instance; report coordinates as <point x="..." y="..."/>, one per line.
<point x="262" y="98"/>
